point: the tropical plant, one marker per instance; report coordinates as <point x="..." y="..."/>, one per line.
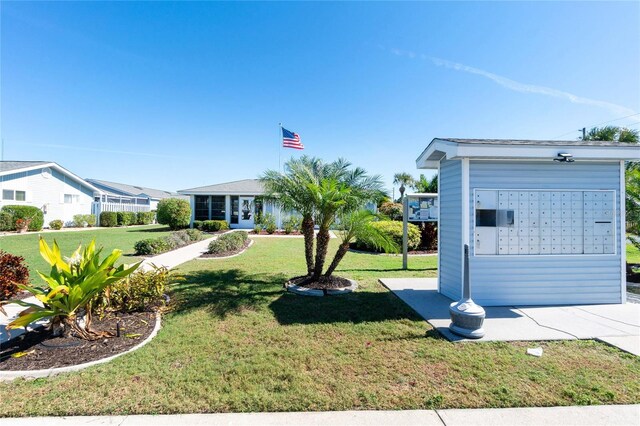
<point x="612" y="133"/>
<point x="56" y="224"/>
<point x="174" y="212"/>
<point x="359" y="225"/>
<point x="13" y="273"/>
<point x="291" y="223"/>
<point x="72" y="285"/>
<point x="393" y="230"/>
<point x="403" y="179"/>
<point x="392" y="210"/>
<point x="427" y="185"/>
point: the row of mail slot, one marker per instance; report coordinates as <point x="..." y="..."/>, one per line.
<point x="490" y="199"/>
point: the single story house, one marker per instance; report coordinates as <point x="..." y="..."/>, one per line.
<point x="48" y="186"/>
<point x="123" y="197"/>
<point x="236" y="202"/>
<point x="544" y="220"/>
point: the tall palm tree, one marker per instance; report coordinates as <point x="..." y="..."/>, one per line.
<point x="403" y="179"/>
<point x="612" y="133"/>
<point x="357" y="225"/>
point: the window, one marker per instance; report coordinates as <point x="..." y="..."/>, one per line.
<point x="202" y="207"/>
<point x="7" y="194"/>
<point x="218" y="208"/>
<point x="21" y="196"/>
<point x="10" y="194"/>
<point x="235" y="209"/>
<point x="71" y="198"/>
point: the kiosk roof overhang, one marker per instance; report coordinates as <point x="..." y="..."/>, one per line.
<point x="506" y="149"/>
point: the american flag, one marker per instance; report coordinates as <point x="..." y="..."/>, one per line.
<point x="291" y="139"/>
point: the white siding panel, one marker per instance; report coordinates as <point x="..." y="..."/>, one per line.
<point x="546" y="280"/>
<point x="450" y="223"/>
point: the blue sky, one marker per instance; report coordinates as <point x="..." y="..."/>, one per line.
<point x="177" y="95"/>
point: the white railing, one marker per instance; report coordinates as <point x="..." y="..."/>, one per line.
<point x="99" y="207"/>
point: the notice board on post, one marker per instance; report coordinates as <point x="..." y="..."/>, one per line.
<point x="422" y="207"/>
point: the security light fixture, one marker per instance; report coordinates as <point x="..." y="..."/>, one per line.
<point x="564" y="157"/>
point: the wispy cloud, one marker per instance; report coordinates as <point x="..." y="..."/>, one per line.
<point x="516" y="85"/>
<point x="105" y="151"/>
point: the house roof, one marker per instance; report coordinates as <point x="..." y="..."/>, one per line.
<point x="10" y="167"/>
<point x="238" y="187"/>
<point x="454" y="148"/>
<point x="131" y="190"/>
<point x="7" y="166"/>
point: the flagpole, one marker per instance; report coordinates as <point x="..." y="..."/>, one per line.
<point x="279" y="146"/>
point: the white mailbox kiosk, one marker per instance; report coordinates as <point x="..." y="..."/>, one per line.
<point x="544" y="220"/>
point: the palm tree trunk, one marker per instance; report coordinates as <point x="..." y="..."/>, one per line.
<point x="342" y="250"/>
<point x="307" y="231"/>
<point x="321" y="250"/>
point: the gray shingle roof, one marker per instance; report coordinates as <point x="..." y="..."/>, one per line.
<point x="245" y="186"/>
<point x="131" y="189"/>
<point x="6" y="166"/>
<point x="538" y="142"/>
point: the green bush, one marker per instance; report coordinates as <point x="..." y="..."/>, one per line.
<point x="126" y="218"/>
<point x="214" y="225"/>
<point x="145" y="218"/>
<point x="141" y="291"/>
<point x="257" y="228"/>
<point x="269" y="223"/>
<point x="6" y="221"/>
<point x="82" y="220"/>
<point x="194" y="234"/>
<point x="393" y="230"/>
<point x="174" y="212"/>
<point x="13" y="271"/>
<point x="108" y="219"/>
<point x="392" y="210"/>
<point x="32" y="214"/>
<point x="291" y="223"/>
<point x="228" y="242"/>
<point x="56" y="224"/>
<point x="197" y="224"/>
<point x="152" y="246"/>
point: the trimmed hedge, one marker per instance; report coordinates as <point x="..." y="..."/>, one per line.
<point x="174" y="212"/>
<point x="56" y="224"/>
<point x="33" y="214"/>
<point x="228" y="242"/>
<point x="126" y="218"/>
<point x="214" y="225"/>
<point x="145" y="218"/>
<point x="108" y="219"/>
<point x="80" y="220"/>
<point x="6" y="221"/>
<point x="393" y="230"/>
<point x="163" y="244"/>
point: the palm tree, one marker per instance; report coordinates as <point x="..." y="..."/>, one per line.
<point x="612" y="133"/>
<point x="403" y="179"/>
<point x="357" y="225"/>
<point x="427" y="185"/>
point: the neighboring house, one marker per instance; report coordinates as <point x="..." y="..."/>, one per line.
<point x="48" y="186"/>
<point x="236" y="202"/>
<point x="544" y="220"/>
<point x="122" y="197"/>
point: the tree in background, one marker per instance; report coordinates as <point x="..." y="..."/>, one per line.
<point x="427" y="185"/>
<point x="612" y="133"/>
<point x="174" y="212"/>
<point x="403" y="179"/>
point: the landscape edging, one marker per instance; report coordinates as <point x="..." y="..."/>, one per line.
<point x="6" y="376"/>
<point x="304" y="291"/>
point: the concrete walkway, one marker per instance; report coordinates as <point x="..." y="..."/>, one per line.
<point x="169" y="260"/>
<point x="618" y="325"/>
<point x="584" y="416"/>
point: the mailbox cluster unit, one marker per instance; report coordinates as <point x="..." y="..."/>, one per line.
<point x="544" y="220"/>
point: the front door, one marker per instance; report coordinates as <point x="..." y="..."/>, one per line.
<point x="245" y="219"/>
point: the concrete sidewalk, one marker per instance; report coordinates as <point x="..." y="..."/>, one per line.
<point x="583" y="416"/>
<point x="617" y="325"/>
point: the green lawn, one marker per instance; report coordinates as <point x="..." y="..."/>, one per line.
<point x="122" y="238"/>
<point x="236" y="342"/>
<point x="633" y="254"/>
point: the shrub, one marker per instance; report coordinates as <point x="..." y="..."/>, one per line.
<point x="269" y="223"/>
<point x="197" y="224"/>
<point x="291" y="223"/>
<point x="228" y="242"/>
<point x="82" y="220"/>
<point x="145" y="218"/>
<point x="141" y="291"/>
<point x="179" y="239"/>
<point x="126" y="218"/>
<point x="152" y="246"/>
<point x="108" y="219"/>
<point x="90" y="220"/>
<point x="12" y="272"/>
<point x="33" y="215"/>
<point x="392" y="210"/>
<point x="174" y="212"/>
<point x="56" y="224"/>
<point x="257" y="228"/>
<point x="393" y="230"/>
<point x="6" y="221"/>
<point x="214" y="225"/>
<point x="194" y="234"/>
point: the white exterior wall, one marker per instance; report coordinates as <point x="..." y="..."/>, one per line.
<point x="544" y="279"/>
<point x="47" y="193"/>
<point x="450" y="244"/>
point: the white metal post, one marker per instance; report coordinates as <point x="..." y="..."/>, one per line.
<point x="405" y="225"/>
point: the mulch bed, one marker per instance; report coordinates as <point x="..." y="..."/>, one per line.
<point x="633" y="277"/>
<point x="322" y="283"/>
<point x="226" y="253"/>
<point x="45" y="351"/>
<point x="277" y="233"/>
